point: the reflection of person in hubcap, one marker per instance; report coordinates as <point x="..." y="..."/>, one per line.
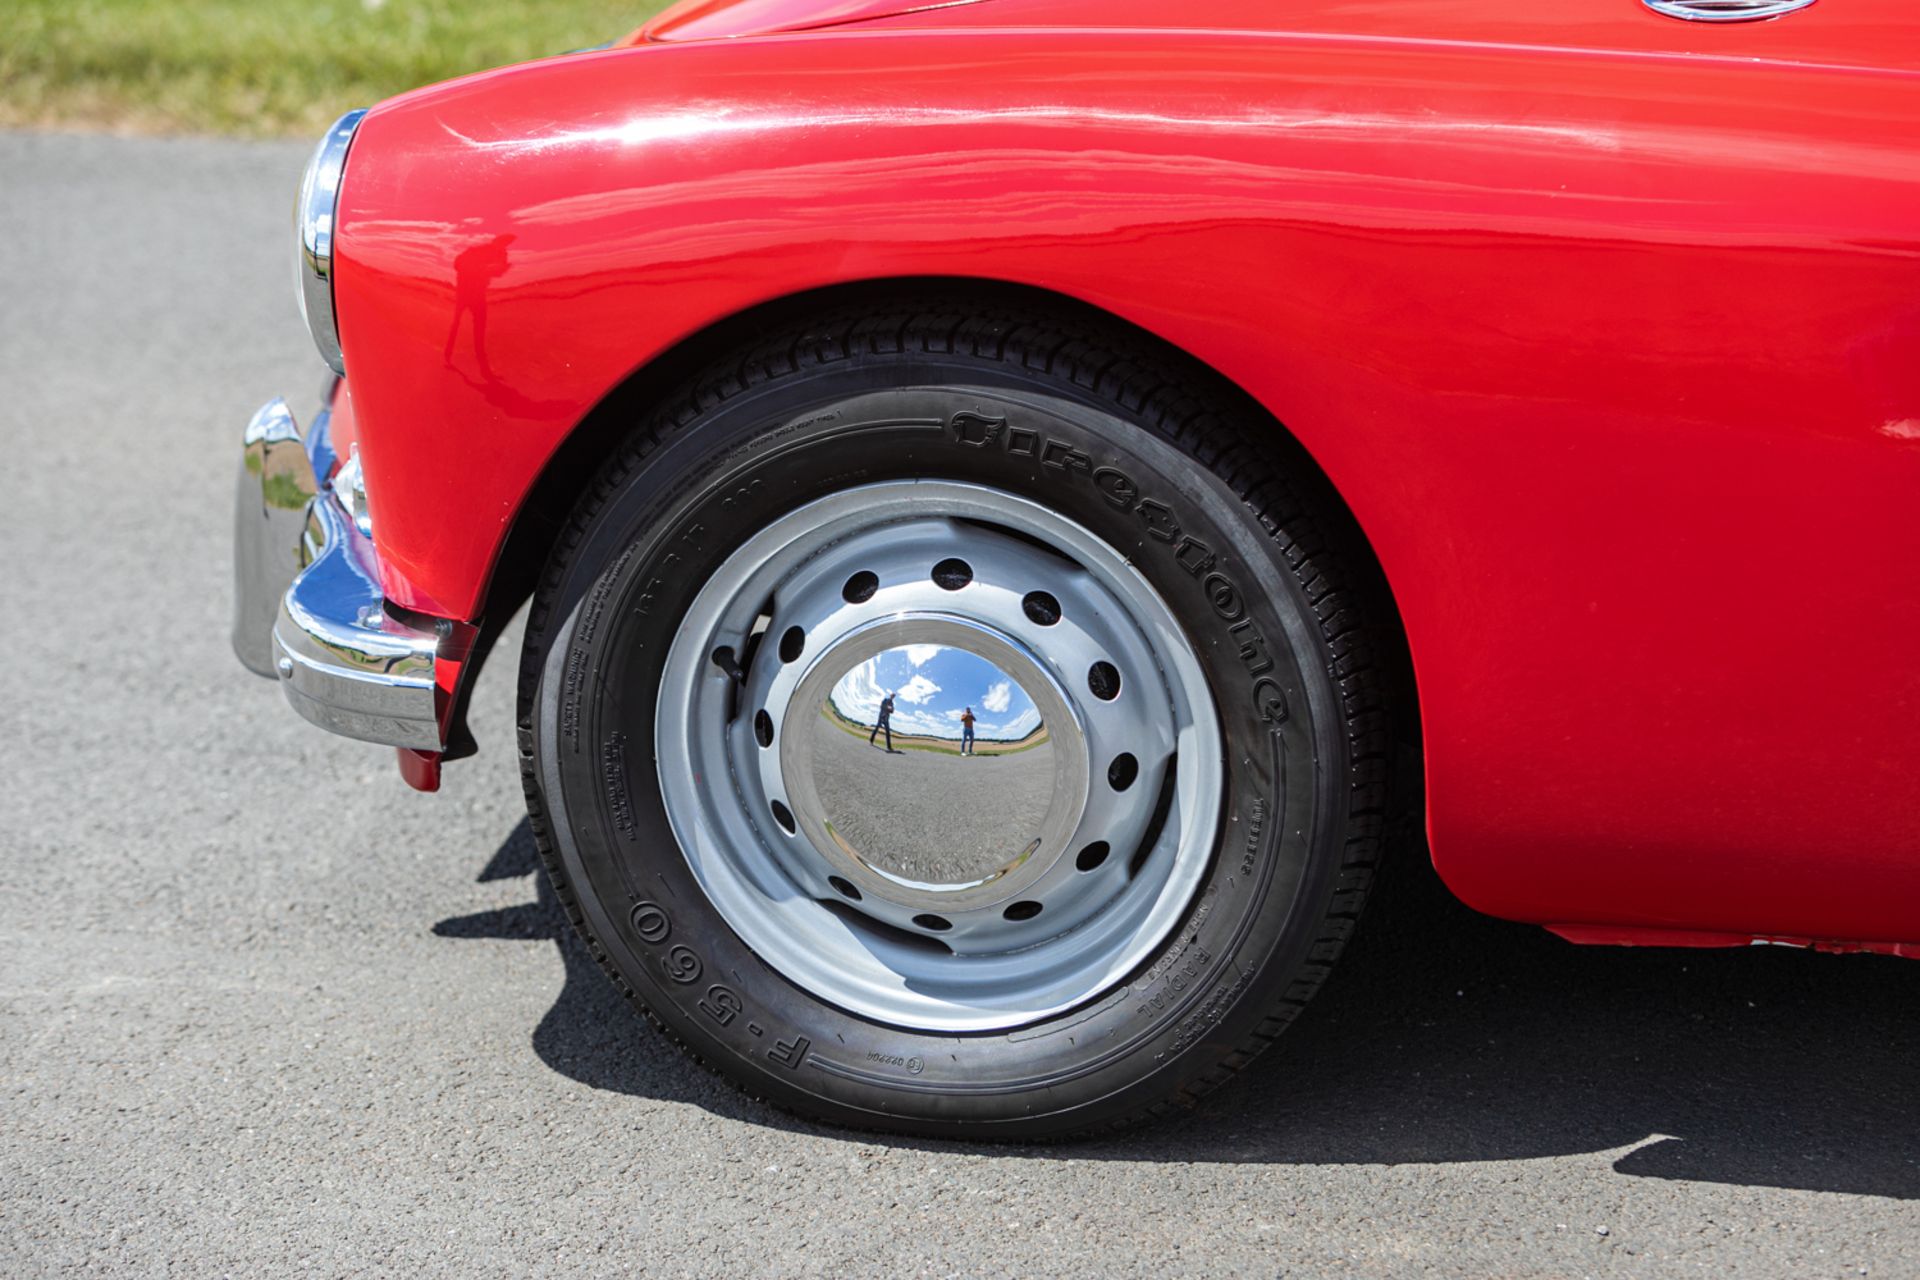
<point x="885" y="724"/>
<point x="966" y="732"/>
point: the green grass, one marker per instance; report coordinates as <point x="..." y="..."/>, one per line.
<point x="266" y="68"/>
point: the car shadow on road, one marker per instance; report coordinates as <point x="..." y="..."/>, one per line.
<point x="1446" y="1036"/>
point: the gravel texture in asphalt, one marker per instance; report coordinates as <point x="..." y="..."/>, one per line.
<point x="263" y="1009"/>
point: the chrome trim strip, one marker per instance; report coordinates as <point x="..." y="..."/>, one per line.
<point x="350" y="488"/>
<point x="307" y="602"/>
<point x="276" y="486"/>
<point x="1725" y="10"/>
<point x="345" y="663"/>
<point x="313" y="216"/>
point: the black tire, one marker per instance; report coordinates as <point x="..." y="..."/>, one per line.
<point x="821" y="406"/>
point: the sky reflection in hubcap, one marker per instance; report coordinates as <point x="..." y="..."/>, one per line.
<point x="933" y="686"/>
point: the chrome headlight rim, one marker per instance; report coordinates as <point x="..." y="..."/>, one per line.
<point x="314" y="214"/>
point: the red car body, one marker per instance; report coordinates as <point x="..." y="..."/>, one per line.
<point x="1606" y="328"/>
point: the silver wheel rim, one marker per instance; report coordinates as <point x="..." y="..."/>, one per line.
<point x="919" y="887"/>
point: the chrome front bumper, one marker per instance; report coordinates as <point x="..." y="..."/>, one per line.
<point x="307" y="602"/>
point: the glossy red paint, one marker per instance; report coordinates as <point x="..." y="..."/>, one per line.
<point x="717" y="19"/>
<point x="1614" y="353"/>
<point x="419" y="769"/>
<point x="1875" y="34"/>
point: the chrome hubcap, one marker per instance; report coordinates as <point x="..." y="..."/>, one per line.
<point x="951" y="824"/>
<point x="939" y="756"/>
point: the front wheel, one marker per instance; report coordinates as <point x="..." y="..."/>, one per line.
<point x="955" y="725"/>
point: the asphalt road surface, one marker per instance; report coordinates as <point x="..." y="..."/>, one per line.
<point x="264" y="1010"/>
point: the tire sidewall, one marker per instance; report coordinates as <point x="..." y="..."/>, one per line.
<point x="667" y="518"/>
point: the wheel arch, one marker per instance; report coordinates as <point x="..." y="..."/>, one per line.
<point x="537" y="524"/>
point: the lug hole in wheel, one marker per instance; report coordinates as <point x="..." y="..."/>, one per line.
<point x="1122" y="772"/>
<point x="939" y="924"/>
<point x="952" y="574"/>
<point x="1093" y="855"/>
<point x="1041" y="608"/>
<point x="860" y="588"/>
<point x="783" y="816"/>
<point x="1103" y="681"/>
<point x="791" y="644"/>
<point x="763" y="728"/>
<point x="1022" y="911"/>
<point x="844" y="887"/>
